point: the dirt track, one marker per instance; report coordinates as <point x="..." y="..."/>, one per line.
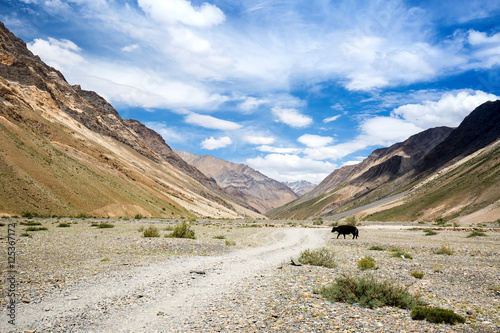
<point x="161" y="295"/>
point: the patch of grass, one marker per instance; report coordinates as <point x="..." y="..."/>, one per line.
<point x="64" y="225"/>
<point x="477" y="233"/>
<point x="445" y="249"/>
<point x="182" y="230"/>
<point x="105" y="259"/>
<point x="151" y="231"/>
<point x="320" y="257"/>
<point x="30" y="223"/>
<point x="436" y="315"/>
<point x="25" y="234"/>
<point x="83" y="216"/>
<point x="429" y="232"/>
<point x="219" y="237"/>
<point x="138" y="216"/>
<point x="230" y="242"/>
<point x="366" y="263"/>
<point x="417" y="275"/>
<point x="440" y="221"/>
<point x="105" y="225"/>
<point x="351" y="220"/>
<point x="377" y="248"/>
<point x="36" y="228"/>
<point x="318" y="220"/>
<point x="368" y="292"/>
<point x="398" y="253"/>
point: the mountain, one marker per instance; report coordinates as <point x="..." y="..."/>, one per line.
<point x="440" y="172"/>
<point x="67" y="151"/>
<point x="258" y="190"/>
<point x="300" y="187"/>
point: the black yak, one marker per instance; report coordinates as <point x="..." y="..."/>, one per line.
<point x="345" y="230"/>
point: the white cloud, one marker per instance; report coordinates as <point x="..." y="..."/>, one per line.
<point x="212" y="143"/>
<point x="291" y="117"/>
<point x="168" y="134"/>
<point x="181" y="11"/>
<point x="130" y="48"/>
<point x="330" y="119"/>
<point x="278" y="150"/>
<point x="60" y="54"/>
<point x="478" y="38"/>
<point x="314" y="141"/>
<point x="449" y="110"/>
<point x="258" y="140"/>
<point x="211" y="122"/>
<point x="288" y="167"/>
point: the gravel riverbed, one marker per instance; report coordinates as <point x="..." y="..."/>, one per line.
<point x="237" y="277"/>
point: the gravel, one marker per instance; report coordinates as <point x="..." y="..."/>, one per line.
<point x="84" y="279"/>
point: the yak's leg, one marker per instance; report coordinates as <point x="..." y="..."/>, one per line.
<point x="338" y="235"/>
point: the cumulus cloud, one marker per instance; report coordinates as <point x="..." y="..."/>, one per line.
<point x="212" y="143"/>
<point x="61" y="54"/>
<point x="182" y="11"/>
<point x="291" y="117"/>
<point x="278" y="150"/>
<point x="289" y="167"/>
<point x="449" y="110"/>
<point x="314" y="141"/>
<point x="211" y="122"/>
<point x="258" y="140"/>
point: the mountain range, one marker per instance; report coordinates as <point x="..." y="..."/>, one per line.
<point x="66" y="151"/>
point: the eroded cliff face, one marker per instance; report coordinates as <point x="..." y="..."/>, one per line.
<point x="66" y="151"/>
<point x="258" y="190"/>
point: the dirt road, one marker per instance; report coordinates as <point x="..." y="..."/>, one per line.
<point x="160" y="297"/>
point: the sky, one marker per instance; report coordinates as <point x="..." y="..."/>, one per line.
<point x="293" y="89"/>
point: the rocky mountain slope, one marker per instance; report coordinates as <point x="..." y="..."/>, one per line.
<point x="66" y="151"/>
<point x="300" y="187"/>
<point x="407" y="166"/>
<point x="258" y="190"/>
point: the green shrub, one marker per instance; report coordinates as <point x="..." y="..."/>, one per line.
<point x="318" y="220"/>
<point x="182" y="231"/>
<point x="219" y="237"/>
<point x="368" y="292"/>
<point x="138" y="216"/>
<point x="417" y="275"/>
<point x="398" y="253"/>
<point x="230" y="242"/>
<point x="30" y="223"/>
<point x="366" y="263"/>
<point x="64" y="225"/>
<point x="25" y="234"/>
<point x="377" y="248"/>
<point x="36" y="228"/>
<point x="151" y="232"/>
<point x="320" y="257"/>
<point x="429" y="232"/>
<point x="351" y="220"/>
<point x="83" y="216"/>
<point x="477" y="233"/>
<point x="440" y="221"/>
<point x="436" y="315"/>
<point x="444" y="250"/>
<point x="105" y="225"/>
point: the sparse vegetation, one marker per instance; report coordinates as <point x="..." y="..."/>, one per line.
<point x="366" y="263"/>
<point x="138" y="216"/>
<point x="417" y="275"/>
<point x="64" y="225"/>
<point x="182" y="230"/>
<point x="440" y="221"/>
<point x="219" y="237"/>
<point x="436" y="315"/>
<point x="318" y="220"/>
<point x="398" y="253"/>
<point x="351" y="220"/>
<point x="25" y="234"/>
<point x="368" y="292"/>
<point x="230" y="242"/>
<point x="477" y="233"/>
<point x="377" y="248"/>
<point x="151" y="231"/>
<point x="105" y="225"/>
<point x="429" y="232"/>
<point x="30" y="223"/>
<point x="36" y="228"/>
<point x="445" y="249"/>
<point x="321" y="257"/>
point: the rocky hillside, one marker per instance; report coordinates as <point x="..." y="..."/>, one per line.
<point x="407" y="166"/>
<point x="66" y="151"/>
<point x="258" y="190"/>
<point x="300" y="187"/>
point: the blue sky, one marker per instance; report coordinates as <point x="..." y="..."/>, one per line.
<point x="294" y="89"/>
